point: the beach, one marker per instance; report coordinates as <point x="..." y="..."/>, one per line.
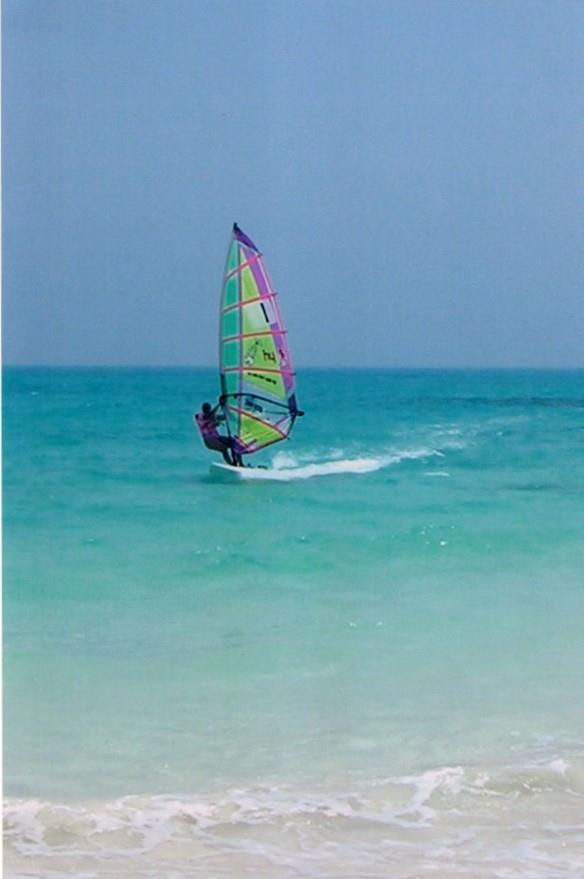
<point x="370" y="666"/>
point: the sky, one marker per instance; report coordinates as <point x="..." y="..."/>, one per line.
<point x="412" y="171"/>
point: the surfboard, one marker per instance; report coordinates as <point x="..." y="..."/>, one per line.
<point x="227" y="473"/>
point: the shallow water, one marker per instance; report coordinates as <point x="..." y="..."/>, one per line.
<point x="373" y="665"/>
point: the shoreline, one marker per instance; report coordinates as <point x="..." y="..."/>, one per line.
<point x="524" y="815"/>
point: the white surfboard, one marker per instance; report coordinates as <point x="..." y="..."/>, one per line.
<point x="359" y="466"/>
<point x="227" y="473"/>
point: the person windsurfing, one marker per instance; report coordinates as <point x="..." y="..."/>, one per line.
<point x="208" y="421"/>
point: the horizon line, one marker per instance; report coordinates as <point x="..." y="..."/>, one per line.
<point x="186" y="366"/>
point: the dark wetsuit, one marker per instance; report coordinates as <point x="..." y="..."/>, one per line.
<point x="208" y="425"/>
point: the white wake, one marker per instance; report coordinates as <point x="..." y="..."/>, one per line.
<point x="286" y="468"/>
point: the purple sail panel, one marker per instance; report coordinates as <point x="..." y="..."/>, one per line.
<point x="242" y="237"/>
<point x="276" y="325"/>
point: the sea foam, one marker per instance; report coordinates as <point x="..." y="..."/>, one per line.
<point x="451" y="821"/>
<point x="285" y="467"/>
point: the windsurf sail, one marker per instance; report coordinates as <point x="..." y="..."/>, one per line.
<point x="257" y="380"/>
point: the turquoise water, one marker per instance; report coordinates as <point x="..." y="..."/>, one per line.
<point x="373" y="666"/>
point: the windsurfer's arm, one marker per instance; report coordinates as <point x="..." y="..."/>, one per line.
<point x="218" y="413"/>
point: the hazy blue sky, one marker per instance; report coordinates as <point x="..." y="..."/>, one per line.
<point x="412" y="170"/>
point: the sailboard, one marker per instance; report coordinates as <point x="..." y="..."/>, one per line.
<point x="228" y="473"/>
<point x="258" y="382"/>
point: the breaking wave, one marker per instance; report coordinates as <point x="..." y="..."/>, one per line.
<point x="496" y="822"/>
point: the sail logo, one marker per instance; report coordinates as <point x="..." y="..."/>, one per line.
<point x="250" y="404"/>
<point x="252" y="354"/>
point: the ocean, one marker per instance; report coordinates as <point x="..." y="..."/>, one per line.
<point x="370" y="667"/>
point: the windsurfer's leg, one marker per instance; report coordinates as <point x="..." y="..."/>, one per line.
<point x="227" y="450"/>
<point x="221" y="445"/>
<point x="235" y="457"/>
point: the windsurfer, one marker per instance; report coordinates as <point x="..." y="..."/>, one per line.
<point x="208" y="421"/>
